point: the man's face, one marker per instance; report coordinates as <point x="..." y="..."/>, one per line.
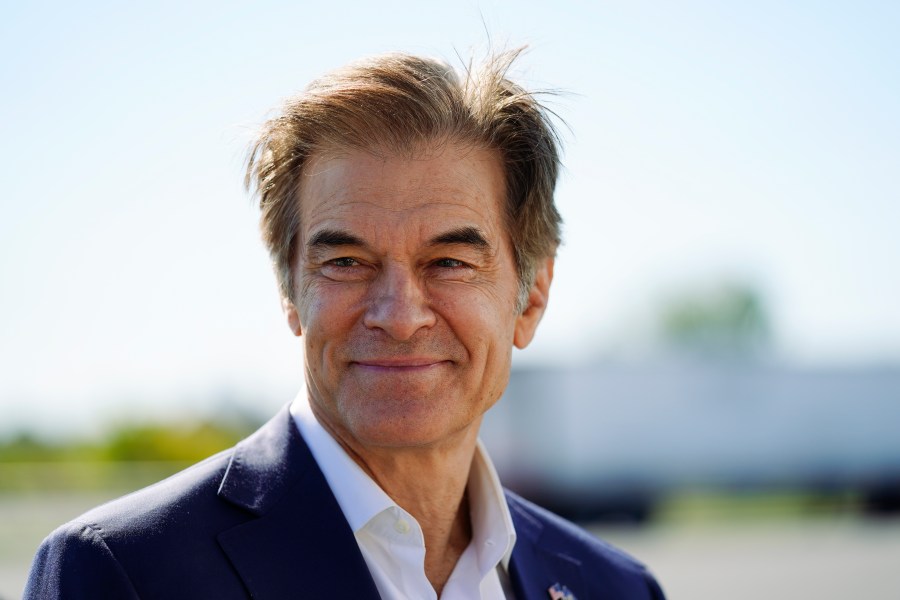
<point x="405" y="294"/>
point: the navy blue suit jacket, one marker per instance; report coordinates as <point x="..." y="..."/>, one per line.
<point x="259" y="521"/>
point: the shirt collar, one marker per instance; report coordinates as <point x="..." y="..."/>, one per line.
<point x="493" y="532"/>
<point x="361" y="499"/>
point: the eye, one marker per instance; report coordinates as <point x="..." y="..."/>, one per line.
<point x="344" y="261"/>
<point x="449" y="263"/>
<point x="344" y="268"/>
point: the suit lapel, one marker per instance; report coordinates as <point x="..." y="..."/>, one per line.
<point x="533" y="567"/>
<point x="299" y="545"/>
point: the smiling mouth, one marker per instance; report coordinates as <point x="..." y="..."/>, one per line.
<point x="398" y="364"/>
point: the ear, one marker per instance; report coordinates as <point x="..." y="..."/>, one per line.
<point x="527" y="322"/>
<point x="293" y="318"/>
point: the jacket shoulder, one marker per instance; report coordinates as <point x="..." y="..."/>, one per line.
<point x="155" y="529"/>
<point x="164" y="503"/>
<point x="612" y="567"/>
<point x="75" y="562"/>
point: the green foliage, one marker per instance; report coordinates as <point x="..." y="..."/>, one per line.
<point x="131" y="442"/>
<point x="694" y="507"/>
<point x="130" y="456"/>
<point x="175" y="444"/>
<point x="727" y="320"/>
<point x="25" y="447"/>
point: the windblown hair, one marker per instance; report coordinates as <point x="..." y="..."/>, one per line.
<point x="398" y="103"/>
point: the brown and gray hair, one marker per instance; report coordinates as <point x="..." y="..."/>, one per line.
<point x="399" y="102"/>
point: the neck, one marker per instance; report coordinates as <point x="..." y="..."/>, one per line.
<point x="428" y="482"/>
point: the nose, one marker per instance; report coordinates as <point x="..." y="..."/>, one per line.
<point x="398" y="304"/>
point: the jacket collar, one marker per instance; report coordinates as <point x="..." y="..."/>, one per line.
<point x="299" y="543"/>
<point x="536" y="563"/>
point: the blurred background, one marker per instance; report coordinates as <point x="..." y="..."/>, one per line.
<point x="716" y="385"/>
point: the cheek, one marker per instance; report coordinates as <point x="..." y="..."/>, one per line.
<point x="491" y="372"/>
<point x="487" y="333"/>
<point x="326" y="324"/>
<point x="482" y="301"/>
<point x="323" y="306"/>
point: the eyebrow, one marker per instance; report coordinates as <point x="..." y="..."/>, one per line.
<point x="326" y="238"/>
<point x="467" y="236"/>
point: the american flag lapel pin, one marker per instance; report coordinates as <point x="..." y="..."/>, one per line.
<point x="560" y="592"/>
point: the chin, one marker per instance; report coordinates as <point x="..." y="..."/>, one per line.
<point x="404" y="430"/>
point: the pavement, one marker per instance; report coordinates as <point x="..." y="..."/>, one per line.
<point x="821" y="559"/>
<point x="816" y="558"/>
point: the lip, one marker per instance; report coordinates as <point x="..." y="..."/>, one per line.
<point x="398" y="363"/>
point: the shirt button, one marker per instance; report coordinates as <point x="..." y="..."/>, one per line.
<point x="401" y="526"/>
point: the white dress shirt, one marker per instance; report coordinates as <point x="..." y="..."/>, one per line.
<point x="391" y="540"/>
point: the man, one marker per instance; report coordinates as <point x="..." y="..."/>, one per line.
<point x="409" y="214"/>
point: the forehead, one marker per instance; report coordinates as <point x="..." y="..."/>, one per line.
<point x="429" y="188"/>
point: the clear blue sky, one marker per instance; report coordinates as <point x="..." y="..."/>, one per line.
<point x="709" y="140"/>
